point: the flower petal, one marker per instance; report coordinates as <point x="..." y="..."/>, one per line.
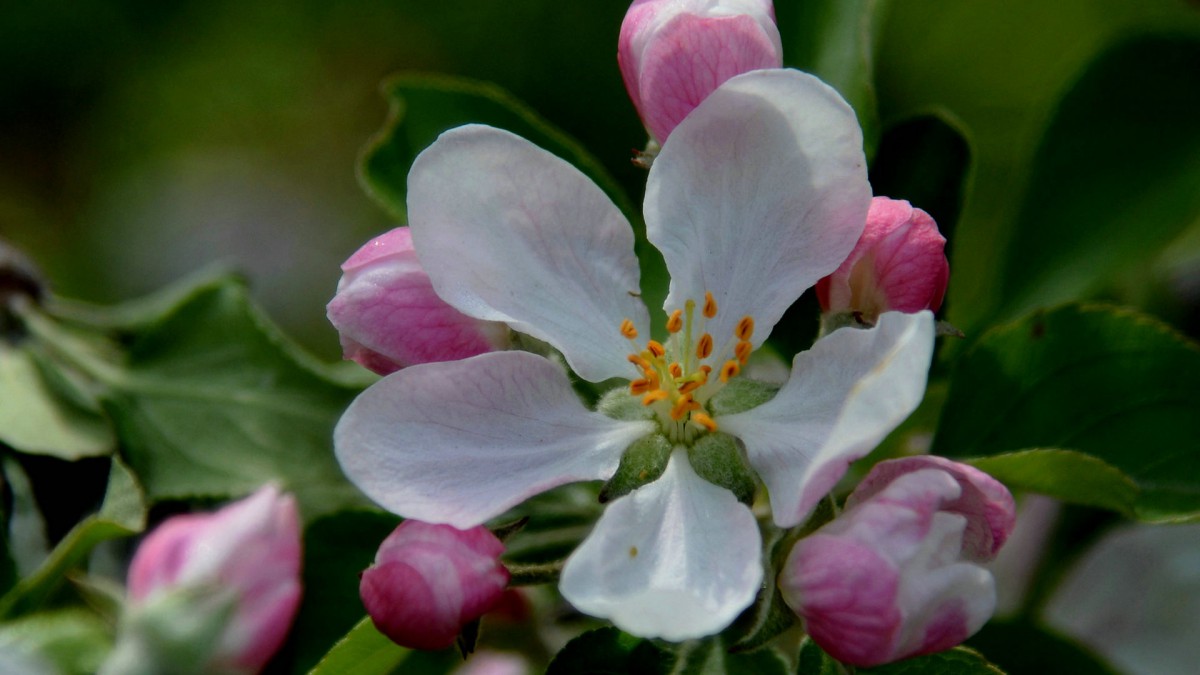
<point x="845" y="394"/>
<point x="678" y="558"/>
<point x="509" y="232"/>
<point x="460" y="442"/>
<point x="758" y="193"/>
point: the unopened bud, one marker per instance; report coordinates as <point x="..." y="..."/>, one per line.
<point x="389" y="316"/>
<point x="429" y="581"/>
<point x="674" y="53"/>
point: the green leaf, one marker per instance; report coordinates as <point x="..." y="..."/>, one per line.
<point x="814" y="661"/>
<point x="337" y="548"/>
<point x="1066" y="475"/>
<point x="35" y="419"/>
<point x="608" y="651"/>
<point x="25" y="545"/>
<point x="213" y="401"/>
<point x="957" y="661"/>
<point x="423" y="106"/>
<point x="710" y="657"/>
<point x="74" y="640"/>
<point x="364" y="651"/>
<point x="1021" y="648"/>
<point x="1106" y="382"/>
<point x="835" y="40"/>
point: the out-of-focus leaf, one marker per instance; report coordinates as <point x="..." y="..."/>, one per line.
<point x="34" y="419"/>
<point x="835" y="40"/>
<point x="769" y="615"/>
<point x="608" y="651"/>
<point x="1110" y="383"/>
<point x="1066" y="475"/>
<point x="121" y="514"/>
<point x="814" y="661"/>
<point x="957" y="661"/>
<point x="364" y="651"/>
<point x="999" y="69"/>
<point x="337" y="548"/>
<point x="423" y="106"/>
<point x="25" y="529"/>
<point x="74" y="640"/>
<point x="1024" y="649"/>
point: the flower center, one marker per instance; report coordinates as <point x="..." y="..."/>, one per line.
<point x="678" y="378"/>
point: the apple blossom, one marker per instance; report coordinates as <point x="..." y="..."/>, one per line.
<point x="899" y="264"/>
<point x="674" y="53"/>
<point x="759" y="193"/>
<point x="215" y="591"/>
<point x="900" y="573"/>
<point x="389" y="317"/>
<point x="428" y="581"/>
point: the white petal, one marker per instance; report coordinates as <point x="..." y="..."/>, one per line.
<point x="677" y="559"/>
<point x="845" y="394"/>
<point x="460" y="442"/>
<point x="757" y="194"/>
<point x="509" y="232"/>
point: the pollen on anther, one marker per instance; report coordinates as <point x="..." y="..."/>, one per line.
<point x="705" y="421"/>
<point x="655" y="347"/>
<point x="689" y="386"/>
<point x="628" y="329"/>
<point x="675" y="323"/>
<point x="654" y="397"/>
<point x="744" y="329"/>
<point x="638" y="361"/>
<point x="742" y="351"/>
<point x="704" y="347"/>
<point x="729" y="369"/>
<point x="710" y="305"/>
<point x="675" y="369"/>
<point x="639" y="387"/>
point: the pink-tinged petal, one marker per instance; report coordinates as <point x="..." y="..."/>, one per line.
<point x="678" y="558"/>
<point x="508" y="232"/>
<point x="759" y="193"/>
<point x="251" y="547"/>
<point x="899" y="264"/>
<point x="428" y="581"/>
<point x="462" y="441"/>
<point x="693" y="55"/>
<point x="987" y="505"/>
<point x="389" y="317"/>
<point x="844" y="395"/>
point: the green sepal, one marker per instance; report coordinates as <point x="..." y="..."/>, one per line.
<point x="741" y="394"/>
<point x="619" y="404"/>
<point x="769" y="615"/>
<point x="642" y="463"/>
<point x="717" y="459"/>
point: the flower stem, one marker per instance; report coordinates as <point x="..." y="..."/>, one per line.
<point x="534" y="574"/>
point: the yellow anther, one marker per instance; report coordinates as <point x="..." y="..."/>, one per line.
<point x="690" y="386"/>
<point x="675" y="369"/>
<point x="710" y="305"/>
<point x="742" y="351"/>
<point x="683" y="406"/>
<point x="744" y="329"/>
<point x="704" y="347"/>
<point x="705" y="421"/>
<point x="639" y="361"/>
<point x="730" y="369"/>
<point x="654" y="397"/>
<point x="628" y="329"/>
<point x="652" y="378"/>
<point x="655" y="347"/>
<point x="639" y="387"/>
<point x="675" y="323"/>
<point x="706" y="369"/>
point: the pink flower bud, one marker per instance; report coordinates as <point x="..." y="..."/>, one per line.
<point x="898" y="264"/>
<point x="389" y="316"/>
<point x="250" y="548"/>
<point x="674" y="53"/>
<point x="428" y="581"/>
<point x="897" y="574"/>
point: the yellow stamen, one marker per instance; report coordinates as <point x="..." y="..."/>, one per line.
<point x="706" y="369"/>
<point x="652" y="378"/>
<point x="655" y="347"/>
<point x="704" y="347"/>
<point x="628" y="329"/>
<point x="705" y="421"/>
<point x="744" y="329"/>
<point x="676" y="370"/>
<point x="742" y="351"/>
<point x="680" y="409"/>
<point x="639" y="387"/>
<point x="675" y="323"/>
<point x="730" y="369"/>
<point x="690" y="386"/>
<point x="654" y="397"/>
<point x="710" y="305"/>
<point x="638" y="361"/>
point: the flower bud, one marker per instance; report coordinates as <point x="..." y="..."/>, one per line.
<point x="428" y="581"/>
<point x="389" y="316"/>
<point x="674" y="53"/>
<point x="898" y="264"/>
<point x="898" y="573"/>
<point x="217" y="591"/>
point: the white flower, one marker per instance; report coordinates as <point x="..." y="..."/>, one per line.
<point x="757" y="194"/>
